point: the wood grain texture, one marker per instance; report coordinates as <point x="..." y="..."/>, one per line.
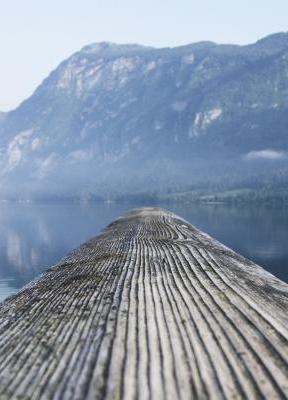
<point x="150" y="309"/>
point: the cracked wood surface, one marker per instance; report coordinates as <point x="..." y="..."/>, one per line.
<point x="152" y="308"/>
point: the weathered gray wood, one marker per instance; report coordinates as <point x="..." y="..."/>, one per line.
<point x="150" y="309"/>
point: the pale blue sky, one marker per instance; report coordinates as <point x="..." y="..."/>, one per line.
<point x="36" y="35"/>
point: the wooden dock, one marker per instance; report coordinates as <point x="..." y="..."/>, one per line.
<point x="152" y="308"/>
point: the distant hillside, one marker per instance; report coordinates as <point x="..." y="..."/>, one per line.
<point x="2" y="116"/>
<point x="116" y="119"/>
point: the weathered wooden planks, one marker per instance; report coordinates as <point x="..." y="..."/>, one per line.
<point x="150" y="309"/>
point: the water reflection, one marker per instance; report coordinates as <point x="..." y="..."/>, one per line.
<point x="7" y="288"/>
<point x="34" y="236"/>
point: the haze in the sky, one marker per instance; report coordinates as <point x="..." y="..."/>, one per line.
<point x="37" y="35"/>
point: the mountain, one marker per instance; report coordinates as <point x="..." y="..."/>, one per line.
<point x="2" y="116"/>
<point x="125" y="118"/>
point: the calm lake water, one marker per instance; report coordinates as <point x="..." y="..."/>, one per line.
<point x="35" y="236"/>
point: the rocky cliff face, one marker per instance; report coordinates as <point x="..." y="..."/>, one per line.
<point x="126" y="117"/>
